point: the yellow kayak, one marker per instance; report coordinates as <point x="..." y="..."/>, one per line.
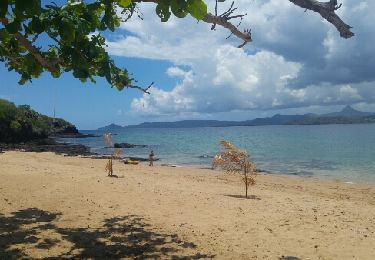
<point x="131" y="162"/>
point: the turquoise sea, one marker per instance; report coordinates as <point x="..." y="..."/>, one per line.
<point x="343" y="152"/>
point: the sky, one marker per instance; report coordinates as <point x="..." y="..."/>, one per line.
<point x="296" y="64"/>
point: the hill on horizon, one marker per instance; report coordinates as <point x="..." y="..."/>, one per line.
<point x="347" y="115"/>
<point x="22" y="124"/>
<point x="348" y="111"/>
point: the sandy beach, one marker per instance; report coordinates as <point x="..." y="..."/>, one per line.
<point x="53" y="206"/>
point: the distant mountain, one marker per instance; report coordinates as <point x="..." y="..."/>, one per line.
<point x="347" y="115"/>
<point x="348" y="111"/>
<point x="275" y="120"/>
<point x="322" y="120"/>
<point x="111" y="128"/>
<point x="185" y="124"/>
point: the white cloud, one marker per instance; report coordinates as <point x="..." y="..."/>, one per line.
<point x="349" y="92"/>
<point x="177" y="72"/>
<point x="296" y="60"/>
<point x="178" y="40"/>
<point x="253" y="84"/>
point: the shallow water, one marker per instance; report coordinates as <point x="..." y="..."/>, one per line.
<point x="344" y="152"/>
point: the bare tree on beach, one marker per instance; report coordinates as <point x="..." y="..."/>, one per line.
<point x="236" y="161"/>
<point x="115" y="153"/>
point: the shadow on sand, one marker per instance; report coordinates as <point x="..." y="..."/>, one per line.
<point x="289" y="258"/>
<point x="120" y="237"/>
<point x="249" y="197"/>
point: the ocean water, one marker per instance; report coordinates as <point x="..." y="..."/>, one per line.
<point x="342" y="152"/>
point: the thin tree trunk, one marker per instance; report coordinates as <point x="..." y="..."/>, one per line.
<point x="245" y="175"/>
<point x="110" y="170"/>
<point x="246" y="185"/>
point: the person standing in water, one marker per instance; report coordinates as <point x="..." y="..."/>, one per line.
<point x="151" y="158"/>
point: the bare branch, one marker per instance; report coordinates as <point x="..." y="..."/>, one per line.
<point x="222" y="20"/>
<point x="145" y="90"/>
<point x="245" y="36"/>
<point x="35" y="52"/>
<point x="327" y="11"/>
<point x="31" y="48"/>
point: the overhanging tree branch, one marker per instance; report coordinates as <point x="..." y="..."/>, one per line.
<point x="32" y="50"/>
<point x="80" y="50"/>
<point x="223" y="21"/>
<point x="145" y="90"/>
<point x="327" y="11"/>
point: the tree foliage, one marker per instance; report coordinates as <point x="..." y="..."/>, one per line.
<point x="69" y="38"/>
<point x="236" y="161"/>
<point x="35" y="38"/>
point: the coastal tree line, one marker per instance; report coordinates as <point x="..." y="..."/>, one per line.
<point x="21" y="124"/>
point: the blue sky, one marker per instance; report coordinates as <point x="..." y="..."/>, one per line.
<point x="296" y="64"/>
<point x="87" y="105"/>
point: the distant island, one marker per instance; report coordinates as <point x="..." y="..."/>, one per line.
<point x="347" y="115"/>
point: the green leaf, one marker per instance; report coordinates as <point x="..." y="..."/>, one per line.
<point x="56" y="74"/>
<point x="3" y="34"/>
<point x="36" y="25"/>
<point x="67" y="30"/>
<point x="110" y="18"/>
<point x="13" y="27"/>
<point x="197" y="9"/>
<point x="162" y="10"/>
<point x="179" y="8"/>
<point x="3" y="8"/>
<point x="29" y="7"/>
<point x="124" y="3"/>
<point x="15" y="125"/>
<point x="81" y="73"/>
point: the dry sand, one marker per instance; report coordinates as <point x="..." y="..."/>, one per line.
<point x="55" y="206"/>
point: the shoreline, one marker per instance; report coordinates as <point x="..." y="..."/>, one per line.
<point x="50" y="144"/>
<point x="58" y="206"/>
<point x="336" y="168"/>
<point x="345" y="179"/>
<point x="268" y="173"/>
<point x="57" y="145"/>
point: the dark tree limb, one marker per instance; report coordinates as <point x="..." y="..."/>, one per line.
<point x="35" y="52"/>
<point x="245" y="36"/>
<point x="31" y="49"/>
<point x="327" y="11"/>
<point x="145" y="90"/>
<point x="222" y="20"/>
